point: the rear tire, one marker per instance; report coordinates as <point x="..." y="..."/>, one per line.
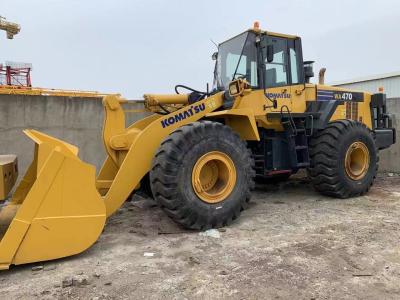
<point x="344" y="159"/>
<point x="173" y="168"/>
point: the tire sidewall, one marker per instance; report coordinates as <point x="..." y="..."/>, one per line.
<point x="358" y="134"/>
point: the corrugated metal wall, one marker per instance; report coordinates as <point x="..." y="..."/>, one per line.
<point x="391" y="86"/>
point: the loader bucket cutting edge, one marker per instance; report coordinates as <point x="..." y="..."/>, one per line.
<point x="55" y="211"/>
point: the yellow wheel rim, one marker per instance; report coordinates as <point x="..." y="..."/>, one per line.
<point x="214" y="177"/>
<point x="357" y="161"/>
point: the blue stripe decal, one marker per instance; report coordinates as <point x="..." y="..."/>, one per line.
<point x="325" y="95"/>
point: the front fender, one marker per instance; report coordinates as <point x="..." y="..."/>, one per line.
<point x="241" y="120"/>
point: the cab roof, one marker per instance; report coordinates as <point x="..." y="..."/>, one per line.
<point x="283" y="35"/>
<point x="259" y="31"/>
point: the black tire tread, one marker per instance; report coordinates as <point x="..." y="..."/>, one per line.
<point x="323" y="171"/>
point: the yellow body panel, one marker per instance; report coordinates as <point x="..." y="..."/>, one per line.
<point x="348" y="109"/>
<point x="241" y="120"/>
<point x="293" y="98"/>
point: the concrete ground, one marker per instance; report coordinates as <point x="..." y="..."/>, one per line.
<point x="292" y="243"/>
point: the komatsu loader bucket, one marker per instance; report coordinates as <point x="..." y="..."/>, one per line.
<point x="55" y="211"/>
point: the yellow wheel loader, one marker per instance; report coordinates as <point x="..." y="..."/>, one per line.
<point x="199" y="153"/>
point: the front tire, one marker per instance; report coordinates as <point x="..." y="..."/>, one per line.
<point x="344" y="159"/>
<point x="202" y="175"/>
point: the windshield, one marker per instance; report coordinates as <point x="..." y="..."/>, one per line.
<point x="236" y="59"/>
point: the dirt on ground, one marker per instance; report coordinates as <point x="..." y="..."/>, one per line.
<point x="292" y="243"/>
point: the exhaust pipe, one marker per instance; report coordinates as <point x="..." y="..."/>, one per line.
<point x="321" y="76"/>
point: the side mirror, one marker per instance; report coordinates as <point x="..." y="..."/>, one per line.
<point x="270" y="53"/>
<point x="214" y="56"/>
<point x="308" y="70"/>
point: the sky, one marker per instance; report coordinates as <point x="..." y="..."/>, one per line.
<point x="134" y="47"/>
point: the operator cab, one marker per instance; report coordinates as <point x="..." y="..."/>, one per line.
<point x="264" y="59"/>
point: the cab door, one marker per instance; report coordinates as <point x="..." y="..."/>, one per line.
<point x="277" y="74"/>
<point x="297" y="79"/>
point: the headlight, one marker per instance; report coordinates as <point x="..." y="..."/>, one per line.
<point x="234" y="88"/>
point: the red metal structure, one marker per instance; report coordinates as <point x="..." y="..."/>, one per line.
<point x="15" y="79"/>
<point x="15" y="74"/>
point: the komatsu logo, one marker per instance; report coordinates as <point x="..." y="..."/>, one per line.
<point x="194" y="109"/>
<point x="278" y="95"/>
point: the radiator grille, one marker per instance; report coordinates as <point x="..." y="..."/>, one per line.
<point x="352" y="110"/>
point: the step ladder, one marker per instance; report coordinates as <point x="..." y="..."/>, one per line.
<point x="297" y="137"/>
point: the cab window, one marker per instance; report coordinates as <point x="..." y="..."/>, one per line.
<point x="237" y="58"/>
<point x="294" y="70"/>
<point x="276" y="71"/>
<point x="296" y="62"/>
<point x="247" y="67"/>
<point x="287" y="65"/>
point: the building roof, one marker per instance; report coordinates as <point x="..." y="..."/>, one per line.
<point x="367" y="78"/>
